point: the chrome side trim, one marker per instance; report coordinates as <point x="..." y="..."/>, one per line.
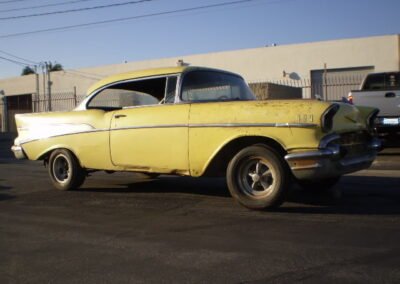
<point x="297" y="125"/>
<point x="60" y="135"/>
<point x="192" y="125"/>
<point x="213" y="125"/>
<point x="310" y="155"/>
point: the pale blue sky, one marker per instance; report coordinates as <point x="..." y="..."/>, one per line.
<point x="248" y="25"/>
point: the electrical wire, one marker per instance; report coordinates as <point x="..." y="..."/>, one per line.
<point x="64" y="28"/>
<point x="44" y="6"/>
<point x="15" y="61"/>
<point x="20" y="58"/>
<point x="83" y="74"/>
<point x="76" y="10"/>
<point x="11" y="1"/>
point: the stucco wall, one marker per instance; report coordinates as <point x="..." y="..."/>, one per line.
<point x="258" y="64"/>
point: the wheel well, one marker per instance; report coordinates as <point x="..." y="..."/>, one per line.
<point x="46" y="156"/>
<point x="219" y="163"/>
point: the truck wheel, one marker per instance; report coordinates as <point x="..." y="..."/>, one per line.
<point x="319" y="185"/>
<point x="65" y="171"/>
<point x="258" y="178"/>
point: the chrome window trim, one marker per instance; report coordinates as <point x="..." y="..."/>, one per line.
<point x="187" y="71"/>
<point x="84" y="104"/>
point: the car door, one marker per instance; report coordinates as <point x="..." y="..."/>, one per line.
<point x="148" y="132"/>
<point x="151" y="138"/>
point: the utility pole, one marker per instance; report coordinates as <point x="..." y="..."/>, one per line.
<point x="36" y="105"/>
<point x="48" y="84"/>
<point x="44" y="87"/>
<point x="326" y="81"/>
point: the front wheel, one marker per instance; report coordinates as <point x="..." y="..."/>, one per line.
<point x="258" y="177"/>
<point x="65" y="171"/>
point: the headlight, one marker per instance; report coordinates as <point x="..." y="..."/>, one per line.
<point x="327" y="118"/>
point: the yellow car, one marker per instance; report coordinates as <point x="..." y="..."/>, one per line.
<point x="195" y="121"/>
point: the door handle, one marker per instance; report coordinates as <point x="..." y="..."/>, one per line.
<point x="119" y="115"/>
<point x="390" y="95"/>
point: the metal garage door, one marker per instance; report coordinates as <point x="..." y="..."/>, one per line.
<point x="333" y="84"/>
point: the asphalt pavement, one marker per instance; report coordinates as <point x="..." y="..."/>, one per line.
<point x="126" y="228"/>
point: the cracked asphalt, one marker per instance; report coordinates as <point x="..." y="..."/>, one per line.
<point x="125" y="228"/>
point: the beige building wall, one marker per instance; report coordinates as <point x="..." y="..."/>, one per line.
<point x="257" y="64"/>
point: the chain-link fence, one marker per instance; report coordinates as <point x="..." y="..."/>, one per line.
<point x="60" y="101"/>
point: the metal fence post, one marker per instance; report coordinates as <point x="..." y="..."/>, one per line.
<point x="75" y="99"/>
<point x="5" y="112"/>
<point x="326" y="82"/>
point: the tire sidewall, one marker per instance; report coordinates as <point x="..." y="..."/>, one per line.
<point x="76" y="173"/>
<point x="281" y="180"/>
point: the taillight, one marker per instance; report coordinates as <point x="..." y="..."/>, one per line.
<point x="350" y="98"/>
<point x="327" y="117"/>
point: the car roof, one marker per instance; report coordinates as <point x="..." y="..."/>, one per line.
<point x="147" y="73"/>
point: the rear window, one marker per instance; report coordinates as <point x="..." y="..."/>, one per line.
<point x="382" y="81"/>
<point x="202" y="86"/>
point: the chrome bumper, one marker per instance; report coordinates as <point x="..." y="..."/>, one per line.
<point x="18" y="152"/>
<point x="330" y="161"/>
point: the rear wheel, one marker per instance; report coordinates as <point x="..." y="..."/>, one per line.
<point x="258" y="178"/>
<point x="65" y="171"/>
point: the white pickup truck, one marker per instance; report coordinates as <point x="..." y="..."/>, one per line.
<point x="381" y="90"/>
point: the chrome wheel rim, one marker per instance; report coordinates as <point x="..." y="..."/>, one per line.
<point x="61" y="169"/>
<point x="257" y="177"/>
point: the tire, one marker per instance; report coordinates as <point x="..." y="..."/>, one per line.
<point x="258" y="178"/>
<point x="65" y="171"/>
<point x="320" y="185"/>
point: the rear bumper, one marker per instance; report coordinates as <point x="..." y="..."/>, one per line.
<point x="330" y="161"/>
<point x="18" y="152"/>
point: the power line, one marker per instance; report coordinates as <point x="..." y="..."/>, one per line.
<point x="76" y="10"/>
<point x="23" y="59"/>
<point x="15" y="61"/>
<point x="11" y="1"/>
<point x="44" y="6"/>
<point x="131" y="18"/>
<point x="76" y="73"/>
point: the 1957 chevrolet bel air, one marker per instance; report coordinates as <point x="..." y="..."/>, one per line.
<point x="199" y="122"/>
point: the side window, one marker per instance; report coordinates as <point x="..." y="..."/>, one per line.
<point x="135" y="93"/>
<point x="374" y="82"/>
<point x="201" y="86"/>
<point x="382" y="81"/>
